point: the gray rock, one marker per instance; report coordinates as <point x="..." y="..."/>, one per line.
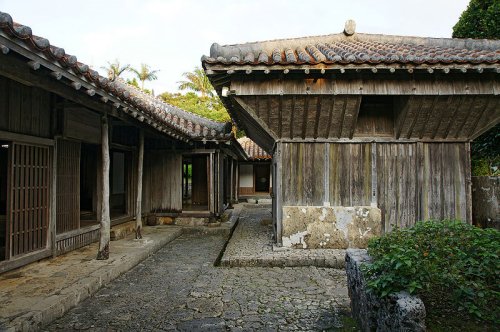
<point x="398" y="312"/>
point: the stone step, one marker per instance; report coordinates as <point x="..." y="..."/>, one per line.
<point x="121" y="231"/>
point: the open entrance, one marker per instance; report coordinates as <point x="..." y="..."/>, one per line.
<point x="261" y="176"/>
<point x="4" y="162"/>
<point x="118" y="187"/>
<point x="195" y="178"/>
<point x="88" y="184"/>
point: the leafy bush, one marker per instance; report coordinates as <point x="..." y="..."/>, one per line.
<point x="450" y="258"/>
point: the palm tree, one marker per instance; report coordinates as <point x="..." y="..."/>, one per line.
<point x="197" y="81"/>
<point x="114" y="69"/>
<point x="145" y="74"/>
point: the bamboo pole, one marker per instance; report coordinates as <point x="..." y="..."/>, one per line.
<point x="105" y="221"/>
<point x="138" y="216"/>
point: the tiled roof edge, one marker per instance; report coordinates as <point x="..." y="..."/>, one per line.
<point x="182" y="122"/>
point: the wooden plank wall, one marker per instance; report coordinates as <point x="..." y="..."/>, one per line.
<point x="82" y="124"/>
<point x="444" y="171"/>
<point x="24" y="109"/>
<point x="303" y="166"/>
<point x="162" y="182"/>
<point x="350" y="174"/>
<point x="29" y="198"/>
<point x="397" y="183"/>
<point x="68" y="186"/>
<point x="414" y="181"/>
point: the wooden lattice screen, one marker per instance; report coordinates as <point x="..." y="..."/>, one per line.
<point x="29" y="198"/>
<point x="68" y="186"/>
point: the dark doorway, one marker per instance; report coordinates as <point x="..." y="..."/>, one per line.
<point x="261" y="175"/>
<point x="4" y="161"/>
<point x="88" y="185"/>
<point x="118" y="192"/>
<point x="195" y="183"/>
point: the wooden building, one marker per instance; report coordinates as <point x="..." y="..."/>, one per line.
<point x="254" y="174"/>
<point x="59" y="119"/>
<point x="364" y="120"/>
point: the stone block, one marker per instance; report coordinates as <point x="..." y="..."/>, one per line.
<point x="398" y="312"/>
<point x="191" y="221"/>
<point x="325" y="227"/>
<point x="165" y="221"/>
<point x="121" y="231"/>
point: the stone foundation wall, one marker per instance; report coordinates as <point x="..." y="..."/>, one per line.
<point x="325" y="227"/>
<point x="485" y="194"/>
<point x="398" y="312"/>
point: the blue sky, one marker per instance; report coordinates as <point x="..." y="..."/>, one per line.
<point x="172" y="35"/>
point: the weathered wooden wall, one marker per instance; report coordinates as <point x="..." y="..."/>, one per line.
<point x="24" y="110"/>
<point x="68" y="186"/>
<point x="82" y="124"/>
<point x="162" y="182"/>
<point x="407" y="181"/>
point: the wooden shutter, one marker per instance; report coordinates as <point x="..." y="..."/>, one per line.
<point x="68" y="186"/>
<point x="29" y="198"/>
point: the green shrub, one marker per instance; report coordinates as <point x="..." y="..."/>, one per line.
<point x="455" y="260"/>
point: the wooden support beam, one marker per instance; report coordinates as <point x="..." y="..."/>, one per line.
<point x="429" y="112"/>
<point x="342" y="117"/>
<point x="355" y="117"/>
<point x="401" y="116"/>
<point x="415" y="117"/>
<point x="330" y="115"/>
<point x="292" y="114"/>
<point x="57" y="75"/>
<point x="453" y="117"/>
<point x="76" y="85"/>
<point x="468" y="111"/>
<point x="34" y="65"/>
<point x="280" y="115"/>
<point x="138" y="210"/>
<point x="318" y="114"/>
<point x="104" y="236"/>
<point x="305" y="115"/>
<point x="479" y="118"/>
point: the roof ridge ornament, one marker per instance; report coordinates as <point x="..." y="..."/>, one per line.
<point x="350" y="28"/>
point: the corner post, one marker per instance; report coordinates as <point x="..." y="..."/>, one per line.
<point x="140" y="164"/>
<point x="105" y="221"/>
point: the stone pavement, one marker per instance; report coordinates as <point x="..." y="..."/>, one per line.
<point x="252" y="245"/>
<point x="38" y="293"/>
<point x="180" y="289"/>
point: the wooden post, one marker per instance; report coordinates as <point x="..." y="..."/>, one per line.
<point x="105" y="221"/>
<point x="231" y="183"/>
<point x="140" y="159"/>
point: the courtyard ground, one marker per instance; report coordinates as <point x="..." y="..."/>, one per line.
<point x="180" y="288"/>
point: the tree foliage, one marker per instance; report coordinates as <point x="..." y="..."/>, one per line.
<point x="115" y="69"/>
<point x="145" y="74"/>
<point x="197" y="81"/>
<point x="481" y="19"/>
<point x="206" y="106"/>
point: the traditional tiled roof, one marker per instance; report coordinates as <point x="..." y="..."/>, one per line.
<point x="160" y="115"/>
<point x="354" y="50"/>
<point x="253" y="151"/>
